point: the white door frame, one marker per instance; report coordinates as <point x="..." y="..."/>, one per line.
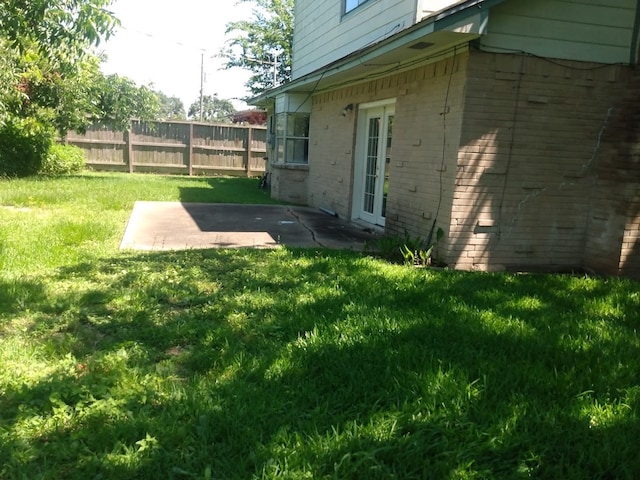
<point x="369" y="166"/>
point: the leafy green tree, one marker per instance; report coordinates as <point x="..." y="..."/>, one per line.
<point x="170" y="108"/>
<point x="263" y="42"/>
<point x="118" y="100"/>
<point x="214" y="110"/>
<point x="60" y="30"/>
<point x="50" y="78"/>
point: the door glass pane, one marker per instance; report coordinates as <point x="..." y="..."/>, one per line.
<point x="371" y="167"/>
<point x="387" y="164"/>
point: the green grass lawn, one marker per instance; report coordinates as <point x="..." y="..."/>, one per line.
<point x="293" y="363"/>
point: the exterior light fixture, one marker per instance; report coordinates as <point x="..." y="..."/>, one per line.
<point x="347" y="109"/>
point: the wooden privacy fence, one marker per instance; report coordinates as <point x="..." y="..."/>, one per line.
<point x="176" y="147"/>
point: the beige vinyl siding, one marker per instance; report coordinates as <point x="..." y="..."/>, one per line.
<point x="323" y="35"/>
<point x="584" y="30"/>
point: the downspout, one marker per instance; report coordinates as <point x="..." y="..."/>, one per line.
<point x="633" y="58"/>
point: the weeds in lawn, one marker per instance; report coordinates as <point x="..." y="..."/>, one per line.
<point x="411" y="251"/>
<point x="304" y="364"/>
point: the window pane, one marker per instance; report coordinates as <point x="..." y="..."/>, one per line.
<point x="298" y="125"/>
<point x="280" y="150"/>
<point x="351" y="4"/>
<point x="298" y="150"/>
<point x="281" y="120"/>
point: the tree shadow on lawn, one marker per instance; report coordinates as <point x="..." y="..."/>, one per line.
<point x="332" y="365"/>
<point x="18" y="294"/>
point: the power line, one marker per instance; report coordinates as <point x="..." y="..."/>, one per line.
<point x="165" y="40"/>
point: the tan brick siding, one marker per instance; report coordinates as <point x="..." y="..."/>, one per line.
<point x="527" y="162"/>
<point x="289" y="183"/>
<point x="331" y="141"/>
<point x="613" y="242"/>
<point x="417" y="151"/>
<point x="426" y="140"/>
<point x="513" y="156"/>
<point x="630" y="252"/>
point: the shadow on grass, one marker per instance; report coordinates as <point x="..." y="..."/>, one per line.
<point x="18" y="294"/>
<point x="329" y="365"/>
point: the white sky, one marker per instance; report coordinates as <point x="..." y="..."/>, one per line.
<point x="161" y="43"/>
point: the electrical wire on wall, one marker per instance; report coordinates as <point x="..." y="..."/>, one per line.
<point x="514" y="123"/>
<point x="558" y="63"/>
<point x="444" y="114"/>
<point x="312" y="92"/>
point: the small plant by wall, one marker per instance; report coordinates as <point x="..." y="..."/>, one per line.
<point x="410" y="251"/>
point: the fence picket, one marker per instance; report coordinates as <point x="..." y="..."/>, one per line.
<point x="175" y="147"/>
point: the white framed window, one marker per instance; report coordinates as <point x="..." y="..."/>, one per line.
<point x="292" y="137"/>
<point x="352" y="4"/>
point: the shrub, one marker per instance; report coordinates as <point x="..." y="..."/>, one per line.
<point x="24" y="143"/>
<point x="63" y="160"/>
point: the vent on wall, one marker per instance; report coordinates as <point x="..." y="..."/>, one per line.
<point x="421" y="45"/>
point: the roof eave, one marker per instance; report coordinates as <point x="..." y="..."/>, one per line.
<point x="438" y="22"/>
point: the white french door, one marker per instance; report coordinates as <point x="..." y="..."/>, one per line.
<point x="373" y="159"/>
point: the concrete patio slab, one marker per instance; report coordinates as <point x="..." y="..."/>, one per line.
<point x="181" y="226"/>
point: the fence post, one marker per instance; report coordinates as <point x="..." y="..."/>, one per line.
<point x="129" y="139"/>
<point x="190" y="149"/>
<point x="249" y="149"/>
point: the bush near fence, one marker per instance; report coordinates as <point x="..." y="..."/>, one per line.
<point x="176" y="147"/>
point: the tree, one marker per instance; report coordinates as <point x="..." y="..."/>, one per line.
<point x="47" y="59"/>
<point x="118" y="100"/>
<point x="170" y="108"/>
<point x="263" y="42"/>
<point x="214" y="110"/>
<point x="60" y="30"/>
<point x="50" y="78"/>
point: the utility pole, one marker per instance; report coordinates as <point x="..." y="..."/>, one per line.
<point x="201" y="85"/>
<point x="274" y="63"/>
<point x="275" y="70"/>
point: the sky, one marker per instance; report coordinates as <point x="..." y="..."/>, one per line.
<point x="161" y="43"/>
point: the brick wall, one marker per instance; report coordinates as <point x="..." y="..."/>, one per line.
<point x="527" y="161"/>
<point x="417" y="165"/>
<point x="331" y="137"/>
<point x="613" y="234"/>
<point x="425" y="145"/>
<point x="289" y="183"/>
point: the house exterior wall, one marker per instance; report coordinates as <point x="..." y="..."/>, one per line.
<point x="613" y="243"/>
<point x="519" y="160"/>
<point x="417" y="163"/>
<point x="429" y="7"/>
<point x="527" y="165"/>
<point x="585" y="30"/>
<point x="323" y="34"/>
<point x="425" y="145"/>
<point x="630" y="252"/>
<point x="289" y="183"/>
<point x="525" y="162"/>
<point x="330" y="152"/>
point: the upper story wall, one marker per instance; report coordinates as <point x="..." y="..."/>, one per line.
<point x="586" y="30"/>
<point x="429" y="7"/>
<point x="323" y="34"/>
